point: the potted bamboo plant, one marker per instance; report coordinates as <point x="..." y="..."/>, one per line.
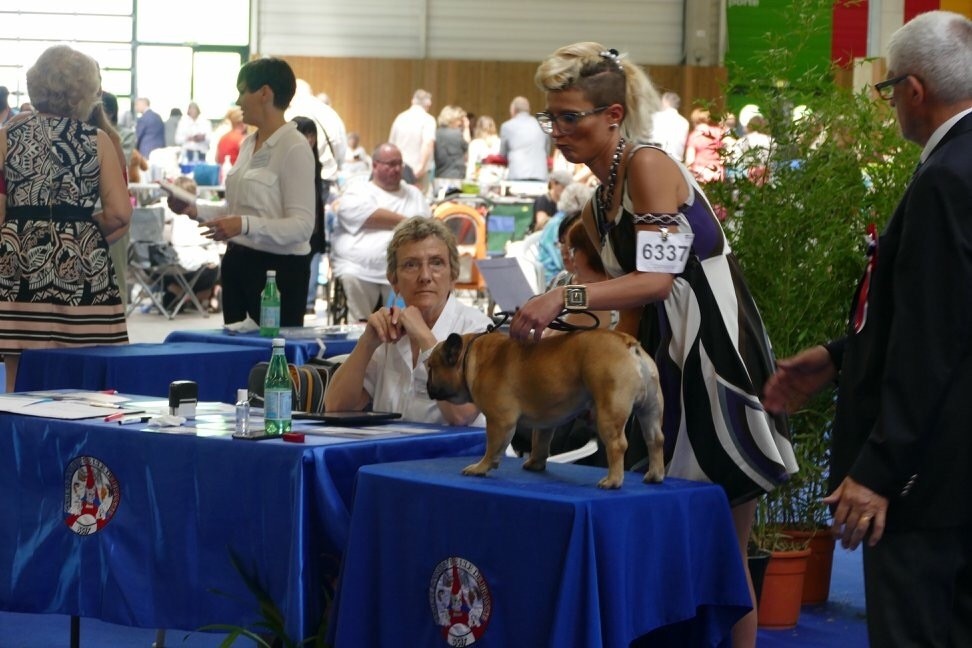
<point x="797" y="227"/>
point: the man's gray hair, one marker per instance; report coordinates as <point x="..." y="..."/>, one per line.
<point x="936" y="47"/>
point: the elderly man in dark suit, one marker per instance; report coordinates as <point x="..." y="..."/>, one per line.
<point x="901" y="465"/>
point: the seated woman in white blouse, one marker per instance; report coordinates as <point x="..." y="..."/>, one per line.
<point x="386" y="369"/>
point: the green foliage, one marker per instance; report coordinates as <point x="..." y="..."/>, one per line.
<point x="270" y="631"/>
<point x="798" y="231"/>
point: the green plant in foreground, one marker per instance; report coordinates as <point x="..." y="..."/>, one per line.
<point x="270" y="631"/>
<point x="798" y="230"/>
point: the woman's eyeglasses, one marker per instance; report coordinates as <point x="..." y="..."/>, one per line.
<point x="885" y="89"/>
<point x="566" y="121"/>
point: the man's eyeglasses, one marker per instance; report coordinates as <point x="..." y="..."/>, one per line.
<point x="566" y="121"/>
<point x="391" y="163"/>
<point x="885" y="89"/>
<point x="436" y="265"/>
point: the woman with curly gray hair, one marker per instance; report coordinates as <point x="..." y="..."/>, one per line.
<point x="57" y="281"/>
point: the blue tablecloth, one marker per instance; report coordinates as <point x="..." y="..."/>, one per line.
<point x="175" y="507"/>
<point x="297" y="351"/>
<point x="544" y="559"/>
<point x="219" y="369"/>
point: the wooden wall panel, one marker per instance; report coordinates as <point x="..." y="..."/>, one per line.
<point x="369" y="92"/>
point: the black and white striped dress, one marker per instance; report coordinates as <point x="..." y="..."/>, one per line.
<point x="713" y="357"/>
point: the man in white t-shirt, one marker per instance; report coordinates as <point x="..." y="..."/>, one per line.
<point x="332" y="138"/>
<point x="413" y="132"/>
<point x="367" y="212"/>
<point x="668" y="128"/>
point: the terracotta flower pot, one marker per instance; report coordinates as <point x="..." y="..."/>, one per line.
<point x="779" y="605"/>
<point x="816" y="583"/>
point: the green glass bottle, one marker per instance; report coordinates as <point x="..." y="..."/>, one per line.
<point x="277" y="392"/>
<point x="270" y="307"/>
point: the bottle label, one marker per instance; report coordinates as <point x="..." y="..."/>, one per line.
<point x="277" y="404"/>
<point x="269" y="317"/>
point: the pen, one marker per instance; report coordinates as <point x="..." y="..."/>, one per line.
<point x="114" y="417"/>
<point x="129" y="420"/>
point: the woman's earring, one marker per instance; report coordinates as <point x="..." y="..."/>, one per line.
<point x="614" y="125"/>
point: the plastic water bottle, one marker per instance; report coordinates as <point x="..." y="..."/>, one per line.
<point x="225" y="169"/>
<point x="270" y="307"/>
<point x="242" y="412"/>
<point x="277" y="392"/>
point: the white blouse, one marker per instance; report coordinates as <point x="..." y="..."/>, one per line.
<point x="273" y="191"/>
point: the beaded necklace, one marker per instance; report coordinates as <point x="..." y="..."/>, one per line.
<point x="605" y="193"/>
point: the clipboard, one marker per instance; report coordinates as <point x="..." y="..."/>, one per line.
<point x="177" y="192"/>
<point x="506" y="281"/>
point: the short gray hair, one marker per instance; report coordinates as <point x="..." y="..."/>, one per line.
<point x="574" y="198"/>
<point x="561" y="177"/>
<point x="936" y="47"/>
<point x="419" y="228"/>
<point x="422" y="98"/>
<point x="64" y="82"/>
<point x="520" y="105"/>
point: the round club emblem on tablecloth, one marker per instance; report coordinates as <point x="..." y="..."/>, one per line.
<point x="460" y="600"/>
<point x="91" y="495"/>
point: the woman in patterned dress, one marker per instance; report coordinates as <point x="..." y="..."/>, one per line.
<point x="692" y="312"/>
<point x="57" y="283"/>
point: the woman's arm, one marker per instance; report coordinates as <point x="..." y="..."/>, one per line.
<point x="116" y="144"/>
<point x="116" y="207"/>
<point x="655" y="185"/>
<point x="345" y="391"/>
<point x="3" y="193"/>
<point x="454" y="414"/>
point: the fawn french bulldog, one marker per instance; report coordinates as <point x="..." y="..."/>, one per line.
<point x="546" y="383"/>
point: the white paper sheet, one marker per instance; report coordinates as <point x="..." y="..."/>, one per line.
<point x="506" y="282"/>
<point x="64" y="409"/>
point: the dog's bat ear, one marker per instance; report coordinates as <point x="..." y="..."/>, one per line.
<point x="453" y="349"/>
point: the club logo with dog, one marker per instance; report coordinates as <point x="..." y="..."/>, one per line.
<point x="91" y="495"/>
<point x="460" y="600"/>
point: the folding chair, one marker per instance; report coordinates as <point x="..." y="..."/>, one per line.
<point x="152" y="261"/>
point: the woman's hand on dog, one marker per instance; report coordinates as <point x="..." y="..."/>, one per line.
<point x="532" y="318"/>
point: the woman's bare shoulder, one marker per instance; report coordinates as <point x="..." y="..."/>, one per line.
<point x="655" y="183"/>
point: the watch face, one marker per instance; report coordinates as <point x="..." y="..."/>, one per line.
<point x="575" y="297"/>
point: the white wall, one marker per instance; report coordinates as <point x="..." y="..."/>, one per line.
<point x="650" y="31"/>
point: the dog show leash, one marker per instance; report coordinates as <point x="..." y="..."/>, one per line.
<point x="502" y="317"/>
<point x="558" y="323"/>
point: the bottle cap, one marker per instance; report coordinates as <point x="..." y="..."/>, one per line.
<point x="242" y="395"/>
<point x="271" y="273"/>
<point x="278" y="342"/>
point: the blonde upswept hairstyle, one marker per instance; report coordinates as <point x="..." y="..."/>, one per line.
<point x="605" y="78"/>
